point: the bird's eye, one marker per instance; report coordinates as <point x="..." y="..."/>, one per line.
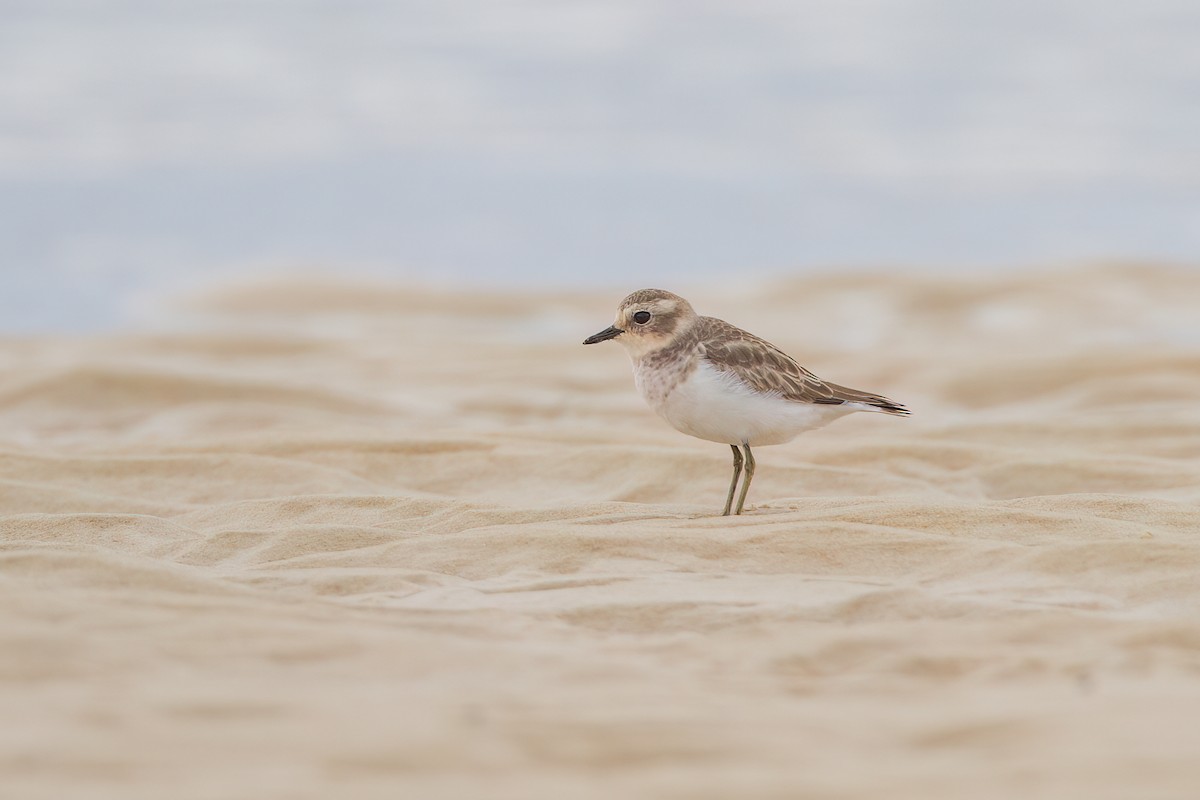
<point x="641" y="317"/>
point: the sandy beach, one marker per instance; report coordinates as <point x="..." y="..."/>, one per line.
<point x="318" y="539"/>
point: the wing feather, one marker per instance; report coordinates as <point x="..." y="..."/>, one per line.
<point x="766" y="368"/>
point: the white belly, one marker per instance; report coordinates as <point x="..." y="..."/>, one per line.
<point x="716" y="406"/>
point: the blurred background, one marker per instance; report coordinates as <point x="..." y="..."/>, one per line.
<point x="148" y="147"/>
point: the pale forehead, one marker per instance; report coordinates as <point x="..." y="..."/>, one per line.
<point x="658" y="298"/>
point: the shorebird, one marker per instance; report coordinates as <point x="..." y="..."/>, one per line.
<point x="717" y="382"/>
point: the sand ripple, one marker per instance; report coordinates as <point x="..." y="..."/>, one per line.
<point x="338" y="541"/>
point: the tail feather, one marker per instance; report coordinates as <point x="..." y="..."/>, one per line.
<point x="890" y="407"/>
<point x="864" y="400"/>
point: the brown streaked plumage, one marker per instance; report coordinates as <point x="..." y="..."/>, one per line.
<point x="767" y="369"/>
<point x="715" y="381"/>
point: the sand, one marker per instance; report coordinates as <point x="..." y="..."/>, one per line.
<point x="319" y="539"/>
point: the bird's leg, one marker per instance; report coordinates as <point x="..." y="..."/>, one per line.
<point x="749" y="477"/>
<point x="737" y="470"/>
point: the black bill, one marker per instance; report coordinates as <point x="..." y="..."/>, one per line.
<point x="604" y="335"/>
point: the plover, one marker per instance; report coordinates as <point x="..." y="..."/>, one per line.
<point x="717" y="382"/>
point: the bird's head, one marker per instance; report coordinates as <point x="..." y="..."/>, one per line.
<point x="647" y="320"/>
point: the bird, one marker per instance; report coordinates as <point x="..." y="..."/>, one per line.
<point x="714" y="381"/>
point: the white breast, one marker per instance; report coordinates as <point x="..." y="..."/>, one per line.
<point x="716" y="406"/>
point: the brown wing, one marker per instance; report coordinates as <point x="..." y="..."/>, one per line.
<point x="766" y="368"/>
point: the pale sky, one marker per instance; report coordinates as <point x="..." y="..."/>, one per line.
<point x="144" y="145"/>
